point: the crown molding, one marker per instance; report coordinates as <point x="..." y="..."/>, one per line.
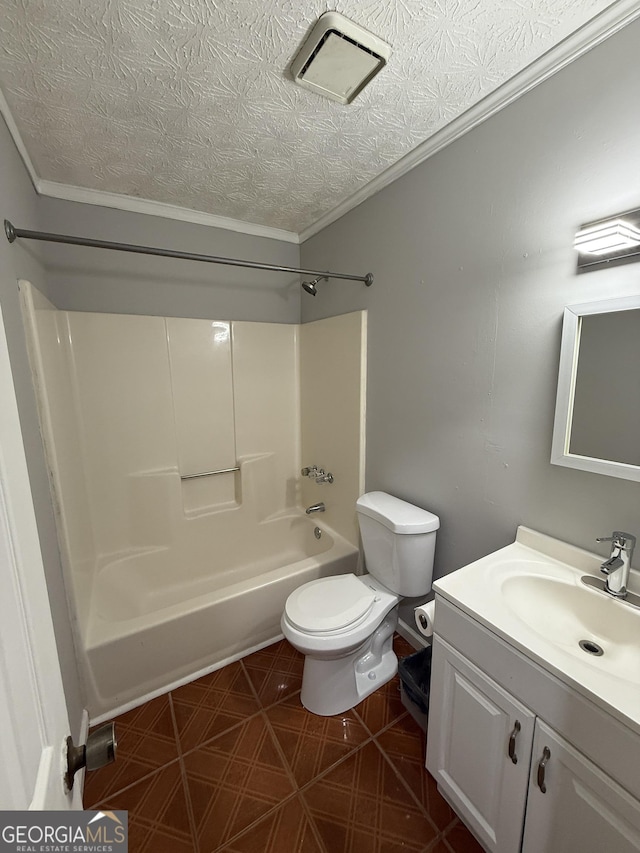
<point x="597" y="30"/>
<point x="158" y="208"/>
<point x="100" y="198"/>
<point x="17" y="140"/>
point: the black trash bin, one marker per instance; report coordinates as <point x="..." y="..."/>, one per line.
<point x="415" y="676"/>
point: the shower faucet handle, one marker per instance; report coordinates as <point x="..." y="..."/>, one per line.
<point x="318" y="474"/>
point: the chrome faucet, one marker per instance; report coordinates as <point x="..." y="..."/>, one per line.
<point x="618" y="565"/>
<point x="317" y="474"/>
<point x="315" y="508"/>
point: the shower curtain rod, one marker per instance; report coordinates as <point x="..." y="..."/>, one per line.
<point x="12" y="233"/>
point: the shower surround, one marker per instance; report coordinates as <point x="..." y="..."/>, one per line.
<point x="170" y="575"/>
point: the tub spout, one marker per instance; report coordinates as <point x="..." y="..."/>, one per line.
<point x="315" y="508"/>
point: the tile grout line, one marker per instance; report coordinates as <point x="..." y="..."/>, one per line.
<point x="318" y="778"/>
<point x="405" y="785"/>
<point x="250" y="682"/>
<point x="386" y="727"/>
<point x="128" y="787"/>
<point x="174" y="723"/>
<point x="335" y="764"/>
<point x="226" y="731"/>
<point x="228" y="840"/>
<point x="447" y="845"/>
<point x="441" y="838"/>
<point x="446" y="832"/>
<point x="312" y="823"/>
<point x="314" y="829"/>
<point x="293" y="795"/>
<point x="280" y="751"/>
<point x="253" y="824"/>
<point x="185" y="782"/>
<point x="431" y="846"/>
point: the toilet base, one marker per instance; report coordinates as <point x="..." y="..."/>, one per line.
<point x="334" y="686"/>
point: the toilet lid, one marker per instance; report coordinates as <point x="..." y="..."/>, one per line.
<point x="329" y="604"/>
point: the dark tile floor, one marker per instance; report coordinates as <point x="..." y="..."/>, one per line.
<point x="233" y="763"/>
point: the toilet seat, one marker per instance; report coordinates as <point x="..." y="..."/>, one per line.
<point x="330" y="604"/>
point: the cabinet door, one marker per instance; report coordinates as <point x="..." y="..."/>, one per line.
<point x="479" y="742"/>
<point x="582" y="809"/>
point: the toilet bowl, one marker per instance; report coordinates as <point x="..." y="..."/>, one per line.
<point x="344" y="625"/>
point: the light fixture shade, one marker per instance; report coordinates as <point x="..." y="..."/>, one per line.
<point x="339" y="58"/>
<point x="607" y="237"/>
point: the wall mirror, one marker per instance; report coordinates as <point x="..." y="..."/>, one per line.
<point x="597" y="422"/>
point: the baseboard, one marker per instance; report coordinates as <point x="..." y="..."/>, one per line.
<point x="412" y="636"/>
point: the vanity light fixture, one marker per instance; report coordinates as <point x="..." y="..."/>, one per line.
<point x="608" y="237"/>
<point x="613" y="239"/>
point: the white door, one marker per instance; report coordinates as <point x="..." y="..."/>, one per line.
<point x="33" y="715"/>
<point x="581" y="808"/>
<point x="479" y="741"/>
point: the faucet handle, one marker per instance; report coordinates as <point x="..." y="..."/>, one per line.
<point x="611" y="565"/>
<point x="617" y="538"/>
<point x="620" y="539"/>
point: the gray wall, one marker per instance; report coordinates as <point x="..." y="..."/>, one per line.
<point x="473" y="262"/>
<point x="99" y="280"/>
<point x="21" y="260"/>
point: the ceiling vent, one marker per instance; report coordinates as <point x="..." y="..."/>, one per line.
<point x="339" y="58"/>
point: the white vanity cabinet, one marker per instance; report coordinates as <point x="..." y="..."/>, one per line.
<point x="581" y="809"/>
<point x="491" y="750"/>
<point x="479" y="748"/>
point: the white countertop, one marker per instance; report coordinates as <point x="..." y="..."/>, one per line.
<point x="531" y="595"/>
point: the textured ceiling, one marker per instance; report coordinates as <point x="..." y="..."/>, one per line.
<point x="189" y="102"/>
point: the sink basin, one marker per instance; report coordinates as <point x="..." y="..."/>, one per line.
<point x="531" y="594"/>
<point x="565" y="614"/>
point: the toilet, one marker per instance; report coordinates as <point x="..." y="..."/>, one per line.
<point x="344" y="625"/>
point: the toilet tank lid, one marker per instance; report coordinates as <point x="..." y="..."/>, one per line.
<point x="398" y="515"/>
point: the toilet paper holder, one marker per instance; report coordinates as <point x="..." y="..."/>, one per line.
<point x="424" y="617"/>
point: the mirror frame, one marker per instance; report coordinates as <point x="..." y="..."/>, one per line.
<point x="569" y="350"/>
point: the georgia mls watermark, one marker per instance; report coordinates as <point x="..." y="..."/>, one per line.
<point x="64" y="832"/>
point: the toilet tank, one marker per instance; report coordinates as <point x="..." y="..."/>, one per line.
<point x="399" y="541"/>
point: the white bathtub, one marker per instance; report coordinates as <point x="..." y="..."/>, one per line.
<point x="160" y="617"/>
